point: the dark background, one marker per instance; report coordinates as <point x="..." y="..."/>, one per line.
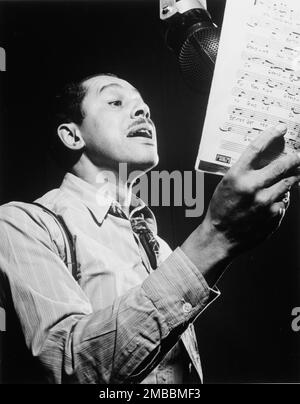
<point x="246" y="335"/>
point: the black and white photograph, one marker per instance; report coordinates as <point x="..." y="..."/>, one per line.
<point x="149" y="194"/>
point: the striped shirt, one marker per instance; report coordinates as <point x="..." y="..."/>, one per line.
<point x="114" y="320"/>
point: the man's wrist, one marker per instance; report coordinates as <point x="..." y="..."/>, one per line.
<point x="209" y="250"/>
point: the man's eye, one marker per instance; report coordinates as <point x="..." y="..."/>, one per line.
<point x="116" y="103"/>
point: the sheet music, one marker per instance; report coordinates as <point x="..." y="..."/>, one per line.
<point x="256" y="82"/>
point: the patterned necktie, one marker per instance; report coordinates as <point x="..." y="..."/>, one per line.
<point x="141" y="228"/>
<point x="147" y="239"/>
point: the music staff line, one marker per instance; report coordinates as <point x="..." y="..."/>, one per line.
<point x="271" y="65"/>
<point x="249" y="134"/>
<point x="231" y="146"/>
<point x="277" y="49"/>
<point x="280" y="11"/>
<point x="269" y="82"/>
<point x="276" y="5"/>
<point x="272" y="120"/>
<point x="240" y="130"/>
<point x="270" y="45"/>
<point x="275" y="30"/>
<point x="266" y="100"/>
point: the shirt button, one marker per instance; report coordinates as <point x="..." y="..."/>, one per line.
<point x="187" y="307"/>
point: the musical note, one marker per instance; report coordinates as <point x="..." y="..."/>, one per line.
<point x="266" y="100"/>
<point x="269" y="63"/>
<point x="294" y="35"/>
<point x="296" y="109"/>
<point x="294" y="77"/>
<point x="271" y="120"/>
<point x="244" y="131"/>
<point x="273" y="48"/>
<point x="257" y="85"/>
<point x="279" y="10"/>
<point x="293" y="144"/>
<point x="248" y="134"/>
<point x="269" y="26"/>
<point x="263" y="80"/>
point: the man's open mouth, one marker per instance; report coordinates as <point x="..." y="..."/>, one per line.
<point x="145" y="132"/>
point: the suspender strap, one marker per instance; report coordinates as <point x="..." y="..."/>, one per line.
<point x="70" y="241"/>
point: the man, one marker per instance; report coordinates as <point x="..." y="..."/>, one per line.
<point x="125" y="313"/>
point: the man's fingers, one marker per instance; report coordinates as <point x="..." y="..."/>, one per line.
<point x="276" y="192"/>
<point x="260" y="145"/>
<point x="278" y="169"/>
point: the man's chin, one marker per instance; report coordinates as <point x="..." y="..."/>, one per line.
<point x="143" y="165"/>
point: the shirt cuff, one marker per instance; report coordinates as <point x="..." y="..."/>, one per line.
<point x="178" y="290"/>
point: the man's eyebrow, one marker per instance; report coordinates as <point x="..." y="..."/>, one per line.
<point x="101" y="89"/>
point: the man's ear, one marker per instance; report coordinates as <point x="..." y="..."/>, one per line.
<point x="70" y="135"/>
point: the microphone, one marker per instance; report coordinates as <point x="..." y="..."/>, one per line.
<point x="194" y="38"/>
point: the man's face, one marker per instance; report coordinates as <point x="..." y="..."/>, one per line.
<point x="117" y="127"/>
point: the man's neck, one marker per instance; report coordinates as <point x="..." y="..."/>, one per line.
<point x="113" y="185"/>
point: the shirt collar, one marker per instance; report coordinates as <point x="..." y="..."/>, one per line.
<point x="98" y="199"/>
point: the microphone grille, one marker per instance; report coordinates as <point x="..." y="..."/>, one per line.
<point x="197" y="57"/>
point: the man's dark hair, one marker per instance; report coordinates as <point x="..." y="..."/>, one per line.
<point x="68" y="108"/>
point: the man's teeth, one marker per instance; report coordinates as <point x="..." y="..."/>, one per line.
<point x="142" y="133"/>
<point x="145" y="131"/>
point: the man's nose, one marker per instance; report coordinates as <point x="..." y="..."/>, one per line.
<point x="140" y="110"/>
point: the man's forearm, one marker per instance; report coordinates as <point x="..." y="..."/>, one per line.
<point x="124" y="342"/>
<point x="209" y="252"/>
